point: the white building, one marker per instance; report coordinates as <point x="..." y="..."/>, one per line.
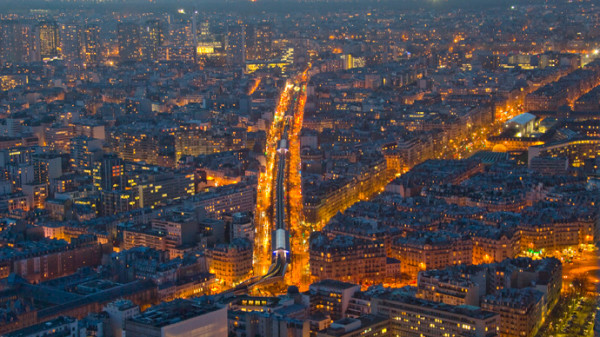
<point x="179" y="318"/>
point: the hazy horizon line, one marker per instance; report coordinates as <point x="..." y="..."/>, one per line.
<point x="261" y="5"/>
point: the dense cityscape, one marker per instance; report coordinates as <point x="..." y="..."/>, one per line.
<point x="299" y="168"/>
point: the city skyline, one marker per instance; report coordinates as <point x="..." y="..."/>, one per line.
<point x="300" y="168"/>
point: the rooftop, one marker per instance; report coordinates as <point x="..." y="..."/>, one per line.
<point x="46" y="326"/>
<point x="172" y="312"/>
<point x="334" y="284"/>
<point x="523" y="118"/>
<point x="426" y="306"/>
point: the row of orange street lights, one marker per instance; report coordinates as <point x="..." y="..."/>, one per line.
<point x="266" y="182"/>
<point x="299" y="273"/>
<point x="291" y="96"/>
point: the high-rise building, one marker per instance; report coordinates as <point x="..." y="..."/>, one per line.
<point x="16" y="42"/>
<point x="259" y="41"/>
<point x="250" y="42"/>
<point x="46" y="166"/>
<point x="236" y="45"/>
<point x="48" y="40"/>
<point x="128" y="34"/>
<point x="153" y="37"/>
<point x="84" y="152"/>
<point x="70" y="41"/>
<point x="108" y="174"/>
<point x="92" y="44"/>
<point x="209" y="47"/>
<point x="180" y="34"/>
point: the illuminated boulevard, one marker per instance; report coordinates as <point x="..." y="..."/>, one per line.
<point x="286" y="125"/>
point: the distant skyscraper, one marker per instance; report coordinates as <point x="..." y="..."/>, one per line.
<point x="210" y="48"/>
<point x="264" y="40"/>
<point x="250" y="42"/>
<point x="259" y="41"/>
<point x="71" y="41"/>
<point x="129" y="41"/>
<point x="153" y="37"/>
<point x="236" y="45"/>
<point x="16" y="42"/>
<point x="204" y="28"/>
<point x="181" y="34"/>
<point x="48" y="40"/>
<point x="92" y="44"/>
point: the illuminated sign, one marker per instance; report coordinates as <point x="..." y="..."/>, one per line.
<point x="205" y="50"/>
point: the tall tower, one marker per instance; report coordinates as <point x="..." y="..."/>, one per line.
<point x="108" y="174"/>
<point x="92" y="44"/>
<point x="128" y="34"/>
<point x="71" y="41"/>
<point x="48" y="40"/>
<point x="83" y="152"/>
<point x="259" y="41"/>
<point x="194" y="29"/>
<point x="16" y="42"/>
<point x="153" y="37"/>
<point x="236" y="45"/>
